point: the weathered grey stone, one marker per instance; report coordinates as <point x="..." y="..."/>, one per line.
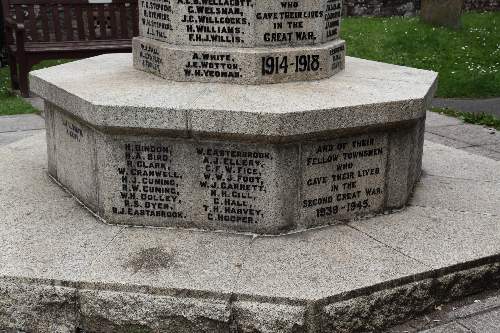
<point x="487" y="322"/>
<point x="62" y="268"/>
<point x="468" y="133"/>
<point x="243" y="42"/>
<point x="489" y="151"/>
<point x="444" y="162"/>
<point x="111" y="311"/>
<point x="225" y="160"/>
<point x="104" y="97"/>
<point x="434" y="119"/>
<point x="241" y="65"/>
<point x="448" y="328"/>
<point x="442" y="12"/>
<point x="439" y="138"/>
<point x="22" y="122"/>
<point x="241" y="24"/>
<point x="10" y="137"/>
<point x="435" y="247"/>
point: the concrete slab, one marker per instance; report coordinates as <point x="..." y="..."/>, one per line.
<point x="10" y="137"/>
<point x="448" y="328"/>
<point x="438" y="120"/>
<point x="471" y="134"/>
<point x="436" y="237"/>
<point x="21" y="122"/>
<point x="455" y="195"/>
<point x="62" y="268"/>
<point x="319" y="263"/>
<point x="445" y="141"/>
<point x="33" y="208"/>
<point x="444" y="161"/>
<point x="481" y="306"/>
<point x="487" y="105"/>
<point x="484" y="151"/>
<point x="485" y="323"/>
<point x="494" y="147"/>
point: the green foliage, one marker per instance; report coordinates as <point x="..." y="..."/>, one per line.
<point x="9" y="102"/>
<point x="472" y="118"/>
<point x="468" y="60"/>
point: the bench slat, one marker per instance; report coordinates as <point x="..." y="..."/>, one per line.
<point x="45" y="22"/>
<point x="123" y="22"/>
<point x="90" y="22"/>
<point x="80" y="28"/>
<point x="135" y="19"/>
<point x="112" y="16"/>
<point x="55" y="22"/>
<point x="102" y="22"/>
<point x="33" y="29"/>
<point x="68" y="22"/>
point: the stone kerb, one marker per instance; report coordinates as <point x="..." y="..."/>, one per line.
<point x="240" y="41"/>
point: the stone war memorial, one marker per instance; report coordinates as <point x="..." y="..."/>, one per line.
<point x="239" y="173"/>
<point x="238" y="115"/>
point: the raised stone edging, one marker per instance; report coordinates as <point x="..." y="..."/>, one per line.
<point x="62" y="306"/>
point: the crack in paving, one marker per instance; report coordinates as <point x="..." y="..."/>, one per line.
<point x="456" y="211"/>
<point x="460" y="178"/>
<point x="390" y="247"/>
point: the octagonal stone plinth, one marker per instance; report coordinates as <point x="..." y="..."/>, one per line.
<point x="140" y="150"/>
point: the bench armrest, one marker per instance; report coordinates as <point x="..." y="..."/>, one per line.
<point x="10" y="23"/>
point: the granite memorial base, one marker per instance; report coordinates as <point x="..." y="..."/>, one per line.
<point x="64" y="271"/>
<point x="268" y="159"/>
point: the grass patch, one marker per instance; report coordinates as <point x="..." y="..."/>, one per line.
<point x="468" y="60"/>
<point x="12" y="104"/>
<point x="484" y="119"/>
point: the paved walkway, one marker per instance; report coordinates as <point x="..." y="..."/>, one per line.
<point x="475" y="314"/>
<point x="490" y="105"/>
<point x="14" y="128"/>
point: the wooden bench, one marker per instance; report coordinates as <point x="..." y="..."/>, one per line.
<point x="37" y="30"/>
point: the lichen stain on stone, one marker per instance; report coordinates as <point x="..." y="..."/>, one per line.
<point x="151" y="260"/>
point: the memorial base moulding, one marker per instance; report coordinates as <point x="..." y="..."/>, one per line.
<point x="265" y="159"/>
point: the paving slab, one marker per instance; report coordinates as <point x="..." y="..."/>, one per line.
<point x="436" y="237"/>
<point x="435" y="119"/>
<point x="485" y="323"/>
<point x="490" y="151"/>
<point x="487" y="105"/>
<point x="477" y="307"/>
<point x="440" y="160"/>
<point x="9" y="137"/>
<point x="319" y="263"/>
<point x="439" y="138"/>
<point x="455" y="195"/>
<point x="471" y="134"/>
<point x="448" y="328"/>
<point x="21" y="122"/>
<point x="32" y="207"/>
